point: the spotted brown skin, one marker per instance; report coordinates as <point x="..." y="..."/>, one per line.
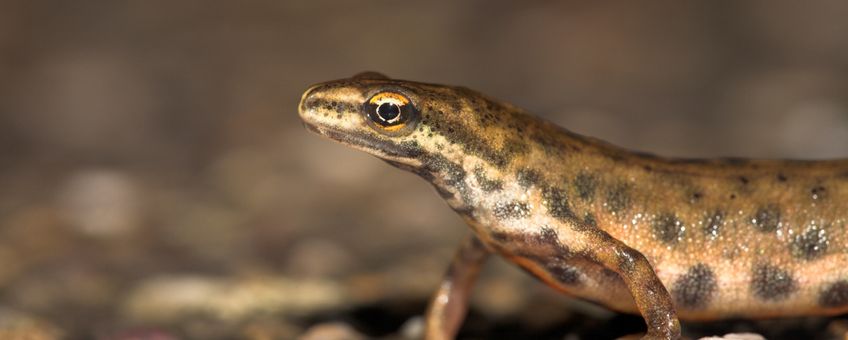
<point x="697" y="239"/>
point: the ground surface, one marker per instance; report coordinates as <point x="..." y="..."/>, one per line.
<point x="155" y="181"/>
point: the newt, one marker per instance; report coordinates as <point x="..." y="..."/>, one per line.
<point x="667" y="238"/>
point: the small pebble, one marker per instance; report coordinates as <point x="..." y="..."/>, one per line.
<point x="101" y="203"/>
<point x="413" y="328"/>
<point x="331" y="331"/>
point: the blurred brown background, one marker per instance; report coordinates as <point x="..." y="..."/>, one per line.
<point x="155" y="179"/>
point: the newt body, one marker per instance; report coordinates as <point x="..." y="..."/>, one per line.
<point x="697" y="239"/>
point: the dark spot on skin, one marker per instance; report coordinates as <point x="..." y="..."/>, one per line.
<point x="696" y="197"/>
<point x="556" y="201"/>
<point x="500" y="236"/>
<point x="744" y="180"/>
<point x="427" y="176"/>
<point x="528" y="177"/>
<point x="545" y="249"/>
<point x="585" y="185"/>
<point x="590" y="221"/>
<point x="695" y="289"/>
<point x="767" y="218"/>
<point x="781" y="177"/>
<point x="564" y="273"/>
<point x="811" y="244"/>
<point x="835" y="295"/>
<point x="411" y="145"/>
<point x="443" y="193"/>
<point x="454" y="174"/>
<point x="465" y="210"/>
<point x="733" y="196"/>
<point x="818" y="192"/>
<point x="544" y="246"/>
<point x="713" y="223"/>
<point x="312" y="104"/>
<point x="618" y="197"/>
<point x="511" y="210"/>
<point x="668" y="228"/>
<point x="548" y="236"/>
<point x="648" y="168"/>
<point x="486" y="184"/>
<point x="436" y="167"/>
<point x="770" y="283"/>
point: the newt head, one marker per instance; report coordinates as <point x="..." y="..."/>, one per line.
<point x="369" y="112"/>
<point x="404" y="122"/>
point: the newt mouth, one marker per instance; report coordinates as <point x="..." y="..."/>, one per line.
<point x="381" y="148"/>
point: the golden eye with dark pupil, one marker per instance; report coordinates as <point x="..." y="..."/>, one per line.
<point x="388" y="112"/>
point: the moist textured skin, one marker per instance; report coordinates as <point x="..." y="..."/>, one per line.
<point x="726" y="238"/>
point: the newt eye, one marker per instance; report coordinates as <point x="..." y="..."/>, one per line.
<point x="390" y="111"/>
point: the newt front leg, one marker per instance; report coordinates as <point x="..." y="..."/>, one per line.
<point x="447" y="308"/>
<point x="651" y="297"/>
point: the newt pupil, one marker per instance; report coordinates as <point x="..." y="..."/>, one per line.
<point x="388" y="111"/>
